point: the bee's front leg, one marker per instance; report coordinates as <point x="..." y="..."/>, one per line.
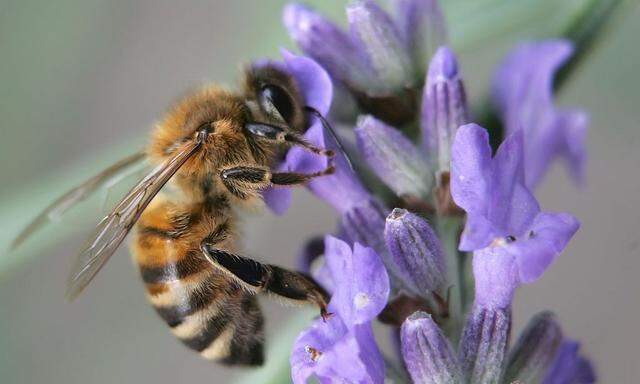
<point x="244" y="180"/>
<point x="257" y="277"/>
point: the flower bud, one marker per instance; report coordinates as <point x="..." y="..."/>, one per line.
<point x="444" y="108"/>
<point x="393" y="158"/>
<point x="381" y="40"/>
<point x="364" y="223"/>
<point x="422" y="27"/>
<point x="415" y="251"/>
<point x="427" y="354"/>
<point x="330" y="46"/>
<point x="484" y="344"/>
<point x="532" y="355"/>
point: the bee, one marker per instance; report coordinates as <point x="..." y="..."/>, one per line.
<point x="216" y="148"/>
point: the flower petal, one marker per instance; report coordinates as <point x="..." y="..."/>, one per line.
<point x="317" y="90"/>
<point x="312" y="346"/>
<point x="471" y="169"/>
<point x="496" y="277"/>
<point x="523" y="90"/>
<point x="569" y="367"/>
<point x="314" y="82"/>
<point x="513" y="207"/>
<point x="427" y="354"/>
<point x="546" y="239"/>
<point x="361" y="281"/>
<point x="364" y="223"/>
<point x="393" y="157"/>
<point x="575" y="123"/>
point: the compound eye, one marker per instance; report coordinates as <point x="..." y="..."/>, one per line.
<point x="275" y="99"/>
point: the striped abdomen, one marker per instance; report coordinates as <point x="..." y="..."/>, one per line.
<point x="205" y="310"/>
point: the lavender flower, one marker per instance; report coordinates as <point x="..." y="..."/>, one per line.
<point x="514" y="241"/>
<point x="343" y="347"/>
<point x="523" y="89"/>
<point x="380" y="59"/>
<point x="381" y="62"/>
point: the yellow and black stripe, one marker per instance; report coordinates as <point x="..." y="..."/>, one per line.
<point x="206" y="310"/>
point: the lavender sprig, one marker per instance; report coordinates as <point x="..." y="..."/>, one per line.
<point x="449" y="288"/>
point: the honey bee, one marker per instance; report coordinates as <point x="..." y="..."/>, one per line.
<point x="216" y="148"/>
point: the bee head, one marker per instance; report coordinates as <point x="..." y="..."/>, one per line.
<point x="273" y="97"/>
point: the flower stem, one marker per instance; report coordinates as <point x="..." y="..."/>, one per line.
<point x="449" y="228"/>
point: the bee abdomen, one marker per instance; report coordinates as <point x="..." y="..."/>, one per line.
<point x="212" y="316"/>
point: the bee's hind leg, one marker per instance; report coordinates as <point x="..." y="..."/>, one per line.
<point x="257" y="277"/>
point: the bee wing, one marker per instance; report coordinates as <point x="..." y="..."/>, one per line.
<point x="61" y="205"/>
<point x="114" y="227"/>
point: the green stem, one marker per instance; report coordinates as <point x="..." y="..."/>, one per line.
<point x="448" y="229"/>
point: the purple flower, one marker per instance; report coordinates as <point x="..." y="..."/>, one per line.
<point x="514" y="242"/>
<point x="343" y="347"/>
<point x="569" y="367"/>
<point x="376" y="57"/>
<point x="523" y="90"/>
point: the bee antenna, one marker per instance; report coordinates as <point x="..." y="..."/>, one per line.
<point x="328" y="127"/>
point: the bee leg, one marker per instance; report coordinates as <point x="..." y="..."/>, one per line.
<point x="257" y="277"/>
<point x="242" y="180"/>
<point x="281" y="135"/>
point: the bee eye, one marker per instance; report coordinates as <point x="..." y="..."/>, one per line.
<point x="275" y="99"/>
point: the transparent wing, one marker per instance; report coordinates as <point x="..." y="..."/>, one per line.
<point x="112" y="230"/>
<point x="105" y="179"/>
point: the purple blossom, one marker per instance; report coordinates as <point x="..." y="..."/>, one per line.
<point x="514" y="242"/>
<point x="380" y="55"/>
<point x="343" y="347"/>
<point x="381" y="61"/>
<point x="523" y="90"/>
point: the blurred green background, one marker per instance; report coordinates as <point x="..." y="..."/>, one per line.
<point x="81" y="82"/>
